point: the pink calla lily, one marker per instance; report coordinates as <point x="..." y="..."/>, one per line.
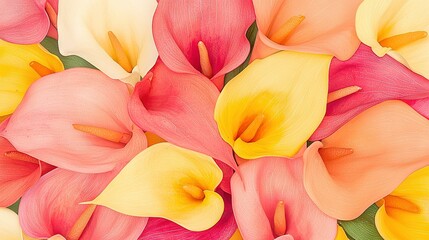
<point x="179" y="108"/>
<point x="77" y="120"/>
<point x="211" y="43"/>
<point x="52" y="207"/>
<point x="379" y="79"/>
<point x="270" y="202"/>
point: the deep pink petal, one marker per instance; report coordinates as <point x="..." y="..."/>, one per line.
<point x="42" y="126"/>
<point x="161" y="229"/>
<point x="381" y="79"/>
<point x="262" y="183"/>
<point x="180" y="109"/>
<point x="52" y="207"/>
<point x="180" y="24"/>
<point x="23" y="21"/>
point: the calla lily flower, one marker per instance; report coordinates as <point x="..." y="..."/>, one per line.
<point x="179" y="108"/>
<point x="404" y="212"/>
<point x="211" y="43"/>
<point x="341" y="234"/>
<point x="270" y="202"/>
<point x="398" y="28"/>
<point x="366" y="80"/>
<point x="169" y="182"/>
<point x="114" y="35"/>
<point x="320" y="26"/>
<point x="274" y="105"/>
<point x="366" y="159"/>
<point x="20" y="66"/>
<point x="18" y="172"/>
<point x="84" y="126"/>
<point x="52" y="207"/>
<point x="9" y="225"/>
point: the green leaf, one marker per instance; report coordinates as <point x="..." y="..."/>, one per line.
<point x="15" y="206"/>
<point x="251" y="36"/>
<point x="363" y="227"/>
<point x="70" y="61"/>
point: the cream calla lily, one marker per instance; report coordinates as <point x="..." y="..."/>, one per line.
<point x="113" y="35"/>
<point x="274" y="105"/>
<point x="404" y="214"/>
<point x="20" y="66"/>
<point x="398" y="28"/>
<point x="169" y="182"/>
<point x="9" y="225"/>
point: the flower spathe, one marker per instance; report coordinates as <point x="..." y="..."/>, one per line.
<point x="271" y="109"/>
<point x="117" y="39"/>
<point x="9" y="225"/>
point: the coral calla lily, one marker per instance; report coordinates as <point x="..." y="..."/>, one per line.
<point x="52" y="207"/>
<point x="20" y="66"/>
<point x="84" y="126"/>
<point x="269" y="201"/>
<point x="274" y="105"/>
<point x="211" y="43"/>
<point x="398" y="28"/>
<point x="366" y="159"/>
<point x="168" y="182"/>
<point x="179" y="108"/>
<point x="117" y="38"/>
<point x="9" y="225"/>
<point x="404" y="212"/>
<point x="364" y="81"/>
<point x="321" y="26"/>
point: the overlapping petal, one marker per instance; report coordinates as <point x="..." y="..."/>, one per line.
<point x="380" y="24"/>
<point x="169" y="182"/>
<point x="328" y="27"/>
<point x="84" y="26"/>
<point x="259" y="188"/>
<point x="9" y="225"/>
<point x="274" y="105"/>
<point x="16" y="74"/>
<point x="179" y="108"/>
<point x="53" y="207"/>
<point x="380" y="79"/>
<point x="221" y="25"/>
<point x="366" y="159"/>
<point x="61" y="115"/>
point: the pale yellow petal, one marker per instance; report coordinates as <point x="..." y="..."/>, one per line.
<point x="284" y="95"/>
<point x="9" y="225"/>
<point x="153" y="185"/>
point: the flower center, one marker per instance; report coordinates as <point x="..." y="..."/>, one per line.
<point x="120" y="56"/>
<point x="194" y="191"/>
<point x="107" y="134"/>
<point x="41" y="69"/>
<point x="283" y="33"/>
<point x="280" y="219"/>
<point x="80" y="225"/>
<point x="332" y="153"/>
<point x="51" y="14"/>
<point x="206" y="67"/>
<point x="343" y="92"/>
<point x="247" y="132"/>
<point x="398" y="41"/>
<point x="19" y="156"/>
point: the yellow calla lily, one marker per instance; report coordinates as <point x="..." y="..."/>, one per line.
<point x="9" y="225"/>
<point x="404" y="214"/>
<point x="20" y="66"/>
<point x="169" y="182"/>
<point x="341" y="234"/>
<point x="274" y="105"/>
<point x="398" y="28"/>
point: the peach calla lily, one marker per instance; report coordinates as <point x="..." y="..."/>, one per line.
<point x="398" y="28"/>
<point x="84" y="127"/>
<point x="169" y="182"/>
<point x="321" y="26"/>
<point x="20" y="66"/>
<point x="116" y="38"/>
<point x="274" y="105"/>
<point x="404" y="212"/>
<point x="366" y="159"/>
<point x="211" y="43"/>
<point x="270" y="202"/>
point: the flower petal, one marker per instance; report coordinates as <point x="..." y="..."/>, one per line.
<point x="179" y="108"/>
<point x="23" y="21"/>
<point x="279" y="101"/>
<point x="9" y="225"/>
<point x="45" y="129"/>
<point x="383" y="145"/>
<point x="157" y="180"/>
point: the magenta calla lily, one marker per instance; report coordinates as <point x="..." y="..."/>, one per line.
<point x="179" y="108"/>
<point x="52" y="207"/>
<point x="77" y="120"/>
<point x="219" y="25"/>
<point x="380" y="79"/>
<point x="262" y="186"/>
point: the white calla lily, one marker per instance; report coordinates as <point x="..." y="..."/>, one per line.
<point x="9" y="225"/>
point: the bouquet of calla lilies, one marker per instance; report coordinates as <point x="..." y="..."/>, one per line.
<point x="214" y="119"/>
